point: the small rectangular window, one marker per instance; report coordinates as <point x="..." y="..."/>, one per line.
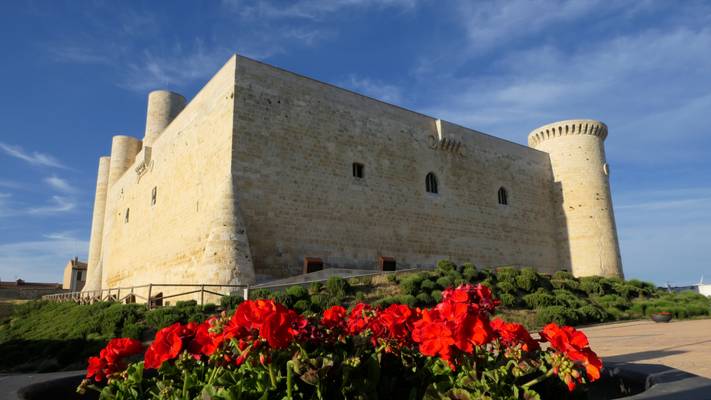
<point x="79" y="276"/>
<point x="387" y="263"/>
<point x="125" y="218"/>
<point x="358" y="170"/>
<point x="154" y="195"/>
<point x="312" y="264"/>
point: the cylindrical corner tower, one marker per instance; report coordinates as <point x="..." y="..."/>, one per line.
<point x="93" y="274"/>
<point x="123" y="154"/>
<point x="163" y="107"/>
<point x="582" y="188"/>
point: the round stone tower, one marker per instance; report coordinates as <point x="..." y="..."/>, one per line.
<point x="163" y="107"/>
<point x="93" y="273"/>
<point x="582" y="189"/>
<point x="123" y="153"/>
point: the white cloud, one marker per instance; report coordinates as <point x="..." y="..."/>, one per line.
<point x="40" y="260"/>
<point x="310" y="9"/>
<point x="60" y="184"/>
<point x="34" y="158"/>
<point x="493" y="23"/>
<point x="57" y="205"/>
<point x="379" y="90"/>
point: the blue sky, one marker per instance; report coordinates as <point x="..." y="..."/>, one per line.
<point x="75" y="73"/>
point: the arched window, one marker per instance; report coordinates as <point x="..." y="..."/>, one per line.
<point x="503" y="196"/>
<point x="431" y="183"/>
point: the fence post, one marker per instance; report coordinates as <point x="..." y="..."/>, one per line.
<point x="150" y="289"/>
<point x="202" y="294"/>
<point x="118" y="296"/>
<point x="246" y="292"/>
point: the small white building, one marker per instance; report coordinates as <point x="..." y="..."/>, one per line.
<point x="74" y="275"/>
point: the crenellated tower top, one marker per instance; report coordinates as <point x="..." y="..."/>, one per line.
<point x="568" y="127"/>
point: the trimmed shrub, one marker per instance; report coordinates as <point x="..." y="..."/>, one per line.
<point x="469" y="272"/>
<point x="360" y="296"/>
<point x="559" y="314"/>
<point x="411" y="284"/>
<point x="508" y="300"/>
<point x="612" y="300"/>
<point x="315" y="288"/>
<point x="506" y="287"/>
<point x="444" y="282"/>
<point x="427" y="285"/>
<point x="445" y="266"/>
<point x="528" y="280"/>
<point x="230" y="301"/>
<point x="424" y="299"/>
<point x="590" y="314"/>
<point x="302" y="305"/>
<point x="408" y="299"/>
<point x="436" y="295"/>
<point x="298" y="292"/>
<point x="539" y="299"/>
<point x="337" y="286"/>
<point x="567" y="298"/>
<point x="260" y="294"/>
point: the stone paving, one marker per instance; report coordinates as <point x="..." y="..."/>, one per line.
<point x="685" y="345"/>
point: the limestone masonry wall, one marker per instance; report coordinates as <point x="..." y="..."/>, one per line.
<point x="256" y="172"/>
<point x="296" y="140"/>
<point x="164" y="240"/>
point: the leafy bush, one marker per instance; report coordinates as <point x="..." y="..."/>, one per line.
<point x="436" y="295"/>
<point x="297" y="292"/>
<point x="427" y="285"/>
<point x="230" y="301"/>
<point x="506" y="287"/>
<point x="590" y="314"/>
<point x="260" y="294"/>
<point x="424" y="299"/>
<point x="446" y="266"/>
<point x="444" y="282"/>
<point x="567" y="298"/>
<point x="559" y="314"/>
<point x="302" y="306"/>
<point x="508" y="300"/>
<point x="360" y="296"/>
<point x="469" y="272"/>
<point x="411" y="284"/>
<point x="337" y="286"/>
<point x="528" y="280"/>
<point x="315" y="287"/>
<point x="539" y="299"/>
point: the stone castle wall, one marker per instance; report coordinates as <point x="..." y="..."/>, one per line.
<point x="296" y="140"/>
<point x="186" y="166"/>
<point x="256" y="172"/>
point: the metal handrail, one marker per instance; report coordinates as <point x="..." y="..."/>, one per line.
<point x="114" y="294"/>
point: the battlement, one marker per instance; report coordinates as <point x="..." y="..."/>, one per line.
<point x="568" y="127"/>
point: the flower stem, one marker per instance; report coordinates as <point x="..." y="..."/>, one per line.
<point x="271" y="376"/>
<point x="539" y="379"/>
<point x="289" y="373"/>
<point x="185" y="385"/>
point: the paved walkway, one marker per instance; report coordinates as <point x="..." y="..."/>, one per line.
<point x="685" y="345"/>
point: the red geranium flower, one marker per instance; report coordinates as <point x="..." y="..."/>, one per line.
<point x="511" y="334"/>
<point x="168" y="343"/>
<point x="334" y="318"/>
<point x="574" y="345"/>
<point x="110" y="359"/>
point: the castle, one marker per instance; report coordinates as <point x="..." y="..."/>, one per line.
<point x="266" y="170"/>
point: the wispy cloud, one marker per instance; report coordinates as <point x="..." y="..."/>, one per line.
<point x="57" y="205"/>
<point x="310" y="9"/>
<point x="34" y="158"/>
<point x="40" y="260"/>
<point x="78" y="54"/>
<point x="60" y="184"/>
<point x="386" y="92"/>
